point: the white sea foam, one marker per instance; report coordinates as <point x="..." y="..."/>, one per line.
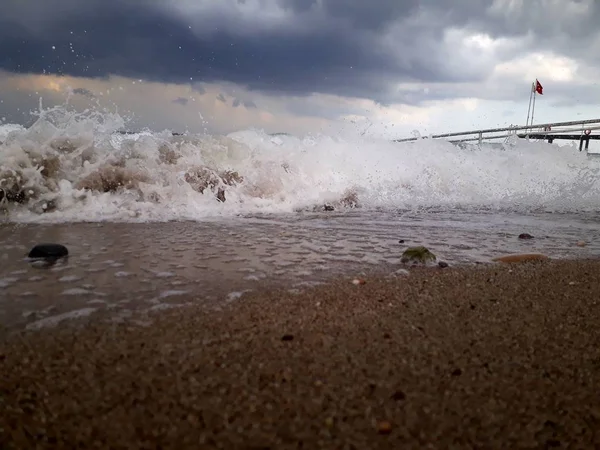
<point x="69" y="278"/>
<point x="52" y="321"/>
<point x="76" y="291"/>
<point x="280" y="174"/>
<point x="5" y="282"/>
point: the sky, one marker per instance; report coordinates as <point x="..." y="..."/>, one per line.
<point x="382" y="68"/>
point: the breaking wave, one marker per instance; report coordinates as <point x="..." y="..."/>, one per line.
<point x="73" y="167"/>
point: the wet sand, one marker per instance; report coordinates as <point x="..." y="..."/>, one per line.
<point x="504" y="356"/>
<point x="120" y="268"/>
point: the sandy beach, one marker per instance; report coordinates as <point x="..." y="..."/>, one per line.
<point x="502" y="356"/>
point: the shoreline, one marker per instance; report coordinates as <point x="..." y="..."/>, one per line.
<point x="498" y="356"/>
<point x="124" y="267"/>
<point x="110" y="308"/>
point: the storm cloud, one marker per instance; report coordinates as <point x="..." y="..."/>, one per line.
<point x="347" y="48"/>
<point x="341" y="47"/>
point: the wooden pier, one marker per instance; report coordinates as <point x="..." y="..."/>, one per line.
<point x="577" y="130"/>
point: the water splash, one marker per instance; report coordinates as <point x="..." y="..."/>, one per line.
<point x="76" y="166"/>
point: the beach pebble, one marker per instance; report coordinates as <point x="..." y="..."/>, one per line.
<point x="384" y="427"/>
<point x="417" y="254"/>
<point x="525" y="236"/>
<point x="358" y="281"/>
<point x="48" y="251"/>
<point x="401" y="272"/>
<point x="581" y="244"/>
<point x="287" y="337"/>
<point x="398" y="396"/>
<point x="443" y="264"/>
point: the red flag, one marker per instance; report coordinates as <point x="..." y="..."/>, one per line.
<point x="538" y="87"/>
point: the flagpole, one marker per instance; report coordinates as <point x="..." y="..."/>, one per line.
<point x="533" y="107"/>
<point x="529" y="107"/>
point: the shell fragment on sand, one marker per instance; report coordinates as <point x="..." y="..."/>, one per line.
<point x="525" y="257"/>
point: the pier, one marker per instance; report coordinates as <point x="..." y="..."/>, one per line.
<point x="578" y="130"/>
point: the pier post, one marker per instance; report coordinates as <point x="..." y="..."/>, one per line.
<point x="586" y="139"/>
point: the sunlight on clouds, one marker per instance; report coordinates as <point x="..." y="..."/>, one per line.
<point x="263" y="15"/>
<point x="506" y="7"/>
<point x="220" y="107"/>
<point x="469" y="104"/>
<point x="569" y="10"/>
<point x="539" y="65"/>
<point x="38" y="83"/>
<point x="481" y="41"/>
<point x="155" y="104"/>
<point x="474" y="46"/>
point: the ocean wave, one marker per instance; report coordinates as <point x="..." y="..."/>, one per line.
<point x="71" y="166"/>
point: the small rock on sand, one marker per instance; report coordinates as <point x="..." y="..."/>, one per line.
<point x="525" y="236"/>
<point x="418" y="254"/>
<point x="384" y="427"/>
<point x="48" y="251"/>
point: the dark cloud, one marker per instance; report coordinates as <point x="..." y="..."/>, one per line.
<point x="197" y="87"/>
<point x="181" y="101"/>
<point x="83" y="91"/>
<point x="343" y="47"/>
<point x="373" y="15"/>
<point x="248" y="104"/>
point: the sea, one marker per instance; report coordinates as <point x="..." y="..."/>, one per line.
<point x="156" y="220"/>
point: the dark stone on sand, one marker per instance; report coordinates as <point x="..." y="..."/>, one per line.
<point x="525" y="236"/>
<point x="401" y="241"/>
<point x="418" y="254"/>
<point x="398" y="396"/>
<point x="456" y="373"/>
<point x="443" y="264"/>
<point x="287" y="337"/>
<point x="53" y="251"/>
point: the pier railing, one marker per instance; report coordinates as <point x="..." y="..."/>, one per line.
<point x="582" y="130"/>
